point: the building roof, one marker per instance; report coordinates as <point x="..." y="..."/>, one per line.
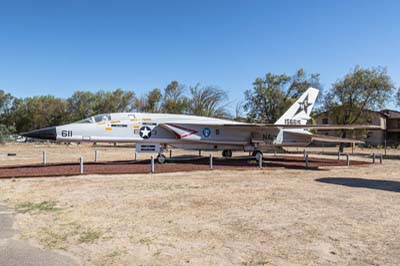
<point x="391" y="113"/>
<point x="365" y="111"/>
<point x="388" y="113"/>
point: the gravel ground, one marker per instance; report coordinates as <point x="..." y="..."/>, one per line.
<point x="173" y="165"/>
<point x="31" y="153"/>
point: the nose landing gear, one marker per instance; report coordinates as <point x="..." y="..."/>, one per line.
<point x="258" y="155"/>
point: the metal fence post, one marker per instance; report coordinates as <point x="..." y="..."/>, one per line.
<point x="304" y="153"/>
<point x="211" y="161"/>
<point x="347" y="160"/>
<point x="260" y="162"/>
<point x="152" y="164"/>
<point x="44" y="157"/>
<point x="81" y="165"/>
<point x="199" y="153"/>
<point x="96" y="155"/>
<point x="373" y="158"/>
<point x="338" y="155"/>
<point x="170" y="153"/>
<point x="306" y="157"/>
<point x="381" y="158"/>
<point x="135" y="155"/>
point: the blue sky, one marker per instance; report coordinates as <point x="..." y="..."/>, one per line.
<point x="57" y="47"/>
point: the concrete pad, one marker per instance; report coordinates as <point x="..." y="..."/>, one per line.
<point x="20" y="253"/>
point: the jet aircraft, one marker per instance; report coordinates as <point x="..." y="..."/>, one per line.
<point x="153" y="132"/>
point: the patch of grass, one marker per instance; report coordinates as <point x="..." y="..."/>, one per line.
<point x="44" y="206"/>
<point x="89" y="236"/>
<point x="261" y="262"/>
<point x="60" y="236"/>
<point x="116" y="253"/>
<point x="157" y="253"/>
<point x="146" y="241"/>
<point x="54" y="240"/>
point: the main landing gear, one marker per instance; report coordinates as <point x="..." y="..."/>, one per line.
<point x="258" y="155"/>
<point x="161" y="158"/>
<point x="227" y="153"/>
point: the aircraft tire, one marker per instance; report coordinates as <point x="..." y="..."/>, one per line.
<point x="258" y="154"/>
<point x="161" y="158"/>
<point x="227" y="153"/>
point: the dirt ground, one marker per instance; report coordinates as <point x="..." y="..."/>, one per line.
<point x="339" y="216"/>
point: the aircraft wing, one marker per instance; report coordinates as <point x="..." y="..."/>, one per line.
<point x="318" y="127"/>
<point x="329" y="139"/>
<point x="262" y="127"/>
<point x="182" y="131"/>
<point x="255" y="126"/>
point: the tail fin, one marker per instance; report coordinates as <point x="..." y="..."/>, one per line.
<point x="299" y="112"/>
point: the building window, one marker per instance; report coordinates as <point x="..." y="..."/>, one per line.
<point x="325" y="121"/>
<point x="217" y="132"/>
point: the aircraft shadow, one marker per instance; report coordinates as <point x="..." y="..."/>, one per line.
<point x="386" y="185"/>
<point x="243" y="161"/>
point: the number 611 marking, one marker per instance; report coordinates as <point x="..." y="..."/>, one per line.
<point x="66" y="133"/>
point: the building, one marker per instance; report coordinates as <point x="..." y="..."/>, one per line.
<point x="392" y="127"/>
<point x="387" y="120"/>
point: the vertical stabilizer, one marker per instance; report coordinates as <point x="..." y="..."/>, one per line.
<point x="299" y="112"/>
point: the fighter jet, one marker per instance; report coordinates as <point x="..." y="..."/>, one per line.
<point x="154" y="132"/>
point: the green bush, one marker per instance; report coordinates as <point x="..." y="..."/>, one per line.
<point x="5" y="133"/>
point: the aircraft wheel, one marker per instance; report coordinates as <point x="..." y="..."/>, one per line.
<point x="227" y="153"/>
<point x="258" y="155"/>
<point x="161" y="158"/>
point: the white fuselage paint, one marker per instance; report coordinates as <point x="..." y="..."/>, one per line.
<point x="183" y="131"/>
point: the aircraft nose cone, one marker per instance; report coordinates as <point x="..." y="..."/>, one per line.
<point x="44" y="133"/>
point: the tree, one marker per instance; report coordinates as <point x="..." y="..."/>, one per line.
<point x="84" y="104"/>
<point x="81" y="104"/>
<point x="398" y="97"/>
<point x="271" y="96"/>
<point x="114" y="101"/>
<point x="6" y="104"/>
<point x="6" y="127"/>
<point x="207" y="101"/>
<point x="5" y="131"/>
<point x="150" y="103"/>
<point x="239" y="115"/>
<point x="301" y="82"/>
<point x="39" y="112"/>
<point x="174" y="101"/>
<point x="266" y="101"/>
<point x="357" y="91"/>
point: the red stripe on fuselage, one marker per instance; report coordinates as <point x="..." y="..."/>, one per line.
<point x="191" y="131"/>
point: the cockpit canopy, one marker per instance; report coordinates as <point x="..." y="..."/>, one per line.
<point x="95" y="119"/>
